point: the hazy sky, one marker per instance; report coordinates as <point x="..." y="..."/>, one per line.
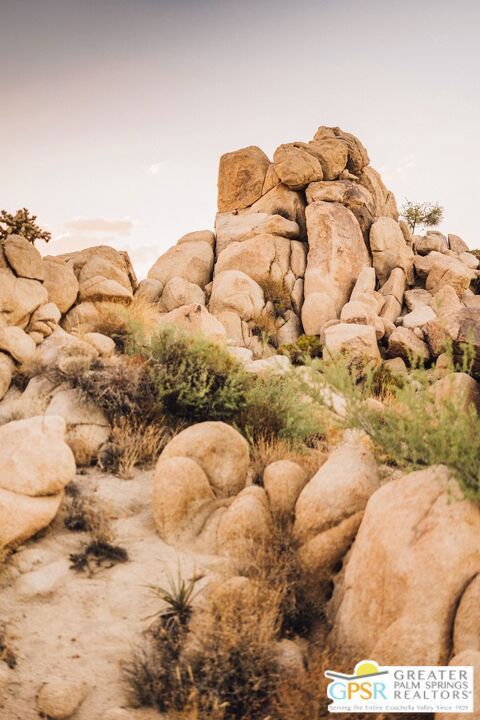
<point x="113" y="113"/>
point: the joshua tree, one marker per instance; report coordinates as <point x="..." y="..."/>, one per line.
<point x="427" y="214"/>
<point x="22" y="223"/>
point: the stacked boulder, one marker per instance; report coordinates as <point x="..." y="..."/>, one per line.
<point x="35" y="465"/>
<point x="312" y="243"/>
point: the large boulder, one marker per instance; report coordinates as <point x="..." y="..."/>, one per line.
<point x="389" y="249"/>
<point x="331" y="151"/>
<point x="34" y="458"/>
<point x="16" y="342"/>
<point x="178" y="292"/>
<point x="416" y="552"/>
<point x="22" y="516"/>
<point x="283" y="481"/>
<point x="19" y="297"/>
<point x="241" y="178"/>
<point x="446" y="270"/>
<point x="281" y="200"/>
<point x="192" y="261"/>
<point x="357" y="154"/>
<point x="295" y="166"/>
<point x="88" y="428"/>
<point x="195" y="320"/>
<point x="182" y="499"/>
<point x="23" y="257"/>
<point x="337" y="254"/>
<point x="235" y="227"/>
<point x="355" y="342"/>
<point x="60" y="282"/>
<point x="260" y="257"/>
<point x="329" y="510"/>
<point x="234" y="291"/>
<point x="218" y="449"/>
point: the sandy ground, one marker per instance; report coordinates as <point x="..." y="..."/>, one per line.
<point x="66" y="624"/>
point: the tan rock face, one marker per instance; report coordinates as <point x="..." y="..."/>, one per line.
<point x="458" y="389"/>
<point x="415" y="553"/>
<point x="447" y="270"/>
<point x="390" y="250"/>
<point x="198" y="236"/>
<point x="260" y="257"/>
<point x="182" y="499"/>
<point x="357" y="154"/>
<point x="241" y="175"/>
<point x="218" y="449"/>
<point x="34" y="459"/>
<point x="59" y="699"/>
<point x="19" y="297"/>
<point x="289" y="203"/>
<point x="405" y="344"/>
<point x="283" y="481"/>
<point x="295" y="166"/>
<point x="16" y="343"/>
<point x="456" y="244"/>
<point x="337" y="254"/>
<point x="331" y="152"/>
<point x="195" y="319"/>
<point x="22" y="516"/>
<point x="6" y="370"/>
<point x="234" y="291"/>
<point x="178" y="292"/>
<point x="245" y="524"/>
<point x="353" y="341"/>
<point x="232" y="227"/>
<point x="192" y="261"/>
<point x="23" y="257"/>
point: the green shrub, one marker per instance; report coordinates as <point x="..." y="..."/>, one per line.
<point x="304" y="349"/>
<point x="193" y="378"/>
<point x="276" y="408"/>
<point x="411" y="430"/>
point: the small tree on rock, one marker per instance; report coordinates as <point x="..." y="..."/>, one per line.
<point x="22" y="223"/>
<point x="427" y="214"/>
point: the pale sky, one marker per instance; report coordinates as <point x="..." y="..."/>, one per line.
<point x="113" y="113"/>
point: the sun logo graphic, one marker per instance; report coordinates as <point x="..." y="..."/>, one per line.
<point x="366" y="685"/>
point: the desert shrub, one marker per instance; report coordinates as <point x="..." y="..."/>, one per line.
<point x="411" y="430"/>
<point x="274" y="567"/>
<point x="133" y="443"/>
<point x="83" y="513"/>
<point x="120" y="386"/>
<point x="192" y="378"/>
<point x="305" y="348"/>
<point x="276" y="292"/>
<point x="276" y="408"/>
<point x="232" y="663"/>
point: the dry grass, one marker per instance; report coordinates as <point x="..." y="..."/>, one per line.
<point x="117" y="320"/>
<point x="264" y="326"/>
<point x="266" y="451"/>
<point x="86" y="514"/>
<point x="133" y="443"/>
<point x="276" y="292"/>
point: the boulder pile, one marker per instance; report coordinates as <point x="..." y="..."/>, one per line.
<point x="312" y="243"/>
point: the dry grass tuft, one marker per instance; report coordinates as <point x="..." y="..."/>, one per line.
<point x="264" y="326"/>
<point x="85" y="514"/>
<point x="276" y="292"/>
<point x="117" y="320"/>
<point x="134" y="443"/>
